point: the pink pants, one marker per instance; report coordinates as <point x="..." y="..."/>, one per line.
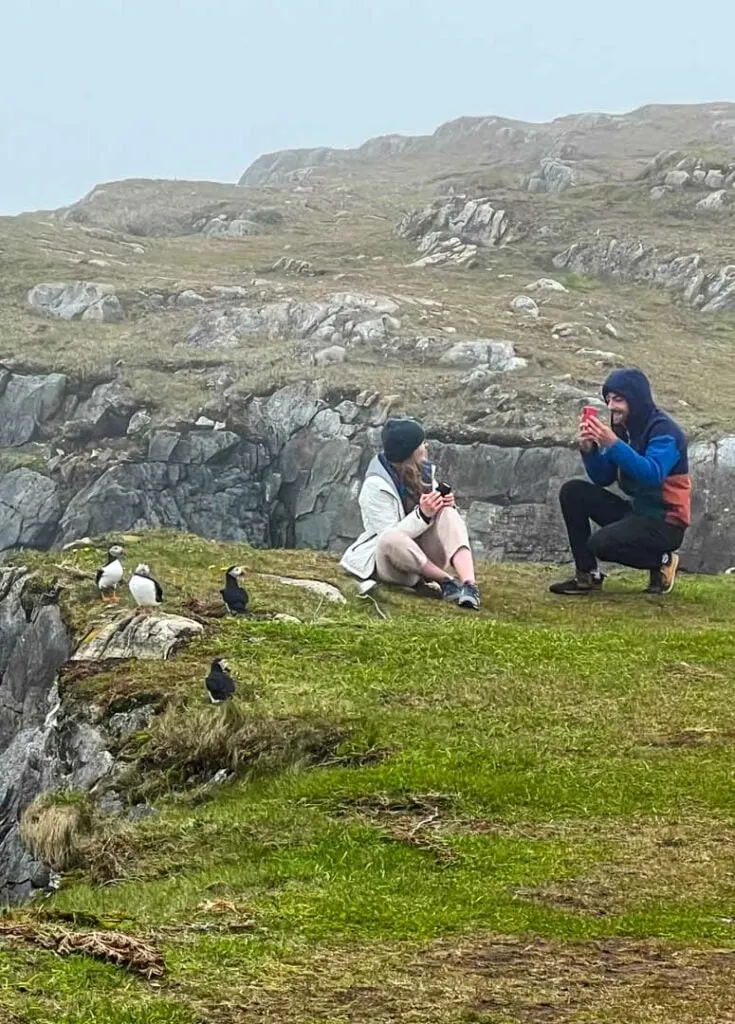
<point x="400" y="559"/>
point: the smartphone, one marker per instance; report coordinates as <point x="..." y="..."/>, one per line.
<point x="444" y="489"/>
<point x="590" y="412"/>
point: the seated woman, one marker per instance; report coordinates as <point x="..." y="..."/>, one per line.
<point x="412" y="534"/>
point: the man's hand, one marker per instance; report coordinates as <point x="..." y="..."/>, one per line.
<point x="586" y="444"/>
<point x="431" y="504"/>
<point x="597" y="432"/>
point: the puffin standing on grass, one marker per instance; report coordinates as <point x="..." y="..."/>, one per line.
<point x="235" y="597"/>
<point x="220" y="684"/>
<point x="109" y="576"/>
<point x="147" y="591"/>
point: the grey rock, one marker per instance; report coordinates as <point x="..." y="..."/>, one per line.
<point x="660" y="191"/>
<point x="524" y="305"/>
<point x="108" y="310"/>
<point x="189" y="299"/>
<point x="146" y="637"/>
<point x="715" y="179"/>
<point x="553" y="176"/>
<point x="496" y="355"/>
<point x="69" y="300"/>
<point x="546" y="284"/>
<point x="471" y="221"/>
<point x="106" y="413"/>
<point x="715" y="201"/>
<point x="139" y="423"/>
<point x="677" y="179"/>
<point x="30" y="510"/>
<point x="329" y="356"/>
<point x="631" y="260"/>
<point x="27" y="403"/>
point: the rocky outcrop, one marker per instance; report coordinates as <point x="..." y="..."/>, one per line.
<point x="33" y="647"/>
<point x="285" y="469"/>
<point x="472" y="222"/>
<point x="146" y="637"/>
<point x="672" y="171"/>
<point x="630" y="259"/>
<point x="340" y="319"/>
<point x="27" y="404"/>
<point x="553" y="176"/>
<point x="85" y="300"/>
<point x="48" y="741"/>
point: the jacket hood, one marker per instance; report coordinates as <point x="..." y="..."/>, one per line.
<point x="634" y="387"/>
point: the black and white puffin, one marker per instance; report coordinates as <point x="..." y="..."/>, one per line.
<point x="109" y="576"/>
<point x="220" y="684"/>
<point x="235" y="597"/>
<point x="147" y="591"/>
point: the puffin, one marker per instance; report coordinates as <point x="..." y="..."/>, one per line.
<point x="109" y="576"/>
<point x="235" y="597"/>
<point x="220" y="684"/>
<point x="146" y="590"/>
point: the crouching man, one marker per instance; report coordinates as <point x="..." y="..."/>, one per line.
<point x="645" y="452"/>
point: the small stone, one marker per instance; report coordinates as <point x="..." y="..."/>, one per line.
<point x="546" y="284"/>
<point x="204" y="421"/>
<point x="189" y="299"/>
<point x="611" y="330"/>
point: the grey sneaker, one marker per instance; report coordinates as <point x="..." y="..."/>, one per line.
<point x="470" y="597"/>
<point x="451" y="590"/>
<point x="581" y="583"/>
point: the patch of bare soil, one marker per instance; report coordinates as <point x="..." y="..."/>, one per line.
<point x="495" y="980"/>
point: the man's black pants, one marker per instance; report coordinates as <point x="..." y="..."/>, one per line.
<point x="636" y="541"/>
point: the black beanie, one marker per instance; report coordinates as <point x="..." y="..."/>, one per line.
<point x="401" y="438"/>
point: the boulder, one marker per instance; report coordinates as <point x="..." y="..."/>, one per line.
<point x="331" y="355"/>
<point x="471" y="221"/>
<point x="677" y="179"/>
<point x="553" y="176"/>
<point x="87" y="299"/>
<point x="715" y="179"/>
<point x="524" y="305"/>
<point x="498" y="356"/>
<point x="30" y="510"/>
<point x="148" y="637"/>
<point x="714" y="201"/>
<point x="189" y="299"/>
<point x="28" y="402"/>
<point x="140" y="423"/>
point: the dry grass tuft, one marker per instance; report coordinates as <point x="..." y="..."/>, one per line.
<point x="56" y="826"/>
<point x="188" y="746"/>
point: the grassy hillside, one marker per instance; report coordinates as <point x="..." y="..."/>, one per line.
<point x="141" y="237"/>
<point x="520" y="816"/>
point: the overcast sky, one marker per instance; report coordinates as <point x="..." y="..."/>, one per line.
<point x="95" y="90"/>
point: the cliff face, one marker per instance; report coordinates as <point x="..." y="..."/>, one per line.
<point x="287" y="471"/>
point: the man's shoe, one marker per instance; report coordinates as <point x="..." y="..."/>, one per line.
<point x="426" y="588"/>
<point x="470" y="597"/>
<point x="582" y="583"/>
<point x="451" y="590"/>
<point x="662" y="580"/>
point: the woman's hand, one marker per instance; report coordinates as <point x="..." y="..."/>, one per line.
<point x="449" y="501"/>
<point x="431" y="504"/>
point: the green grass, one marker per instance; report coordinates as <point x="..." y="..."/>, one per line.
<point x="549" y="769"/>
